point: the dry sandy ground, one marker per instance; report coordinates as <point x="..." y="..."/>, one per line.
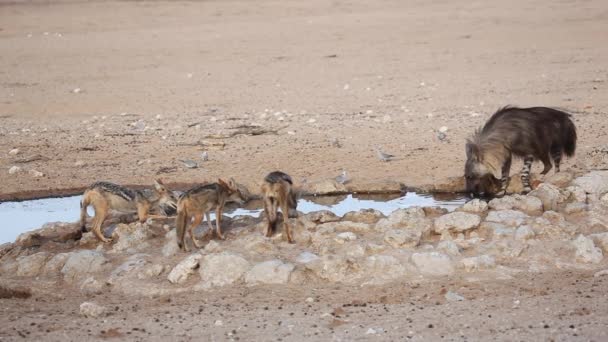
<point x="564" y="306"/>
<point x="385" y="73"/>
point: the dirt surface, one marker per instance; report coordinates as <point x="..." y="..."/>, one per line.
<point x="564" y="306"/>
<point x="77" y="76"/>
<point x="122" y="91"/>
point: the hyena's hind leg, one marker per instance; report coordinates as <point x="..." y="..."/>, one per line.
<point x="504" y="178"/>
<point x="556" y="155"/>
<point x="525" y="174"/>
<point x="547" y="164"/>
<point x="270" y="207"/>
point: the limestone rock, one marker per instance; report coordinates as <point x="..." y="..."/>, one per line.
<point x="151" y="271"/>
<point x="528" y="204"/>
<point x="478" y="262"/>
<point x="560" y="179"/>
<point x="222" y="269"/>
<point x="600" y="240"/>
<point x="586" y="252"/>
<point x="346" y="236"/>
<point x="449" y="247"/>
<point x="456" y="222"/>
<point x="56" y="232"/>
<point x="595" y="182"/>
<point x="409" y="218"/>
<point x="82" y="263"/>
<point x="524" y="233"/>
<point x="433" y="263"/>
<point x="576" y="194"/>
<point x="369" y="216"/>
<point x="575" y="207"/>
<point x="383" y="269"/>
<point x="475" y="206"/>
<point x="335" y="268"/>
<point x="91" y="286"/>
<point x="399" y="238"/>
<point x="184" y="268"/>
<point x="132" y="236"/>
<point x="549" y="195"/>
<point x="31" y="265"/>
<point x="170" y="248"/>
<point x="269" y="272"/>
<point x="511" y="218"/>
<point x="306" y="257"/>
<point x="126" y="272"/>
<point x="55" y="264"/>
<point x="321" y="216"/>
<point x="92" y="310"/>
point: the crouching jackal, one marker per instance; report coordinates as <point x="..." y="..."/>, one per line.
<point x="105" y="196"/>
<point x="278" y="192"/>
<point x="199" y="201"/>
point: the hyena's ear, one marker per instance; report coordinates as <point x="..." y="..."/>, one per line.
<point x="472" y="151"/>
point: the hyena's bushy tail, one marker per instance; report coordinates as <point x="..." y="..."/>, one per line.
<point x="569" y="137"/>
<point x="180" y="223"/>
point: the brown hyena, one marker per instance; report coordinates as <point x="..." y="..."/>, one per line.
<point x="537" y="133"/>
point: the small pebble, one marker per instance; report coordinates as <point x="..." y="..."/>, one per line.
<point x="14" y="169"/>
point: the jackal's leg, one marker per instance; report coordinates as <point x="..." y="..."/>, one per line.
<point x="525" y="174"/>
<point x="285" y="210"/>
<point x="83" y="213"/>
<point x="101" y="212"/>
<point x="271" y="214"/>
<point x="142" y="212"/>
<point x="195" y="223"/>
<point x="504" y="178"/>
<point x="208" y="217"/>
<point x="218" y="222"/>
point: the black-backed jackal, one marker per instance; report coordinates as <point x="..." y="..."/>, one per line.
<point x="198" y="202"/>
<point x="105" y="196"/>
<point x="278" y="192"/>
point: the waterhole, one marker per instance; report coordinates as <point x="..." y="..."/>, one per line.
<point x="23" y="216"/>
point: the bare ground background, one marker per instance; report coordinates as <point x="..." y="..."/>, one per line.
<point x="76" y="77"/>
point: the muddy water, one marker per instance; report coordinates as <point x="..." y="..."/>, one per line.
<point x="19" y="217"/>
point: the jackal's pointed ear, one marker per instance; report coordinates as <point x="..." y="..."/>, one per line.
<point x="159" y="185"/>
<point x="223" y="183"/>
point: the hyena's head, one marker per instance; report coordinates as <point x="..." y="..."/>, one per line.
<point x="167" y="202"/>
<point x="480" y="180"/>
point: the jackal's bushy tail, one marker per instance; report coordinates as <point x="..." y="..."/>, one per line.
<point x="180" y="224"/>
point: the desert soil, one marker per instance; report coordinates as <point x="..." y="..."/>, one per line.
<point x="122" y="91"/>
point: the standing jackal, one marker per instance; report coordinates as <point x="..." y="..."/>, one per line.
<point x="278" y="192"/>
<point x="105" y="196"/>
<point x="537" y="133"/>
<point x="199" y="201"/>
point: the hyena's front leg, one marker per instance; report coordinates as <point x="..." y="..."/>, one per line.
<point x="525" y="174"/>
<point x="504" y="179"/>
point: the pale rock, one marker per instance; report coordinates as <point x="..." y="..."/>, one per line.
<point x="577" y="194"/>
<point x="373" y="248"/>
<point x="127" y="270"/>
<point x="91" y="286"/>
<point x="184" y="268"/>
<point x="151" y="271"/>
<point x="130" y="237"/>
<point x="31" y="265"/>
<point x="433" y="263"/>
<point x="524" y="233"/>
<point x="55" y="264"/>
<point x="475" y="206"/>
<point x="511" y="218"/>
<point x="601" y="240"/>
<point x="326" y="187"/>
<point x="449" y="247"/>
<point x="434" y="211"/>
<point x="595" y="182"/>
<point x="383" y="269"/>
<point x="586" y="252"/>
<point x="321" y="216"/>
<point x="92" y="310"/>
<point x="498" y="230"/>
<point x="335" y="268"/>
<point x="35" y="173"/>
<point x="170" y="248"/>
<point x="14" y="169"/>
<point x="346" y="236"/>
<point x="306" y="257"/>
<point x="478" y="263"/>
<point x="399" y="238"/>
<point x="221" y="269"/>
<point x="575" y="207"/>
<point x="212" y="247"/>
<point x="560" y="179"/>
<point x="83" y="263"/>
<point x="409" y="218"/>
<point x="554" y="225"/>
<point x="369" y="216"/>
<point x="549" y="195"/>
<point x="456" y="222"/>
<point x="13" y="152"/>
<point x="257" y="244"/>
<point x="269" y="272"/>
<point x="453" y="297"/>
<point x="347" y="226"/>
<point x="528" y="204"/>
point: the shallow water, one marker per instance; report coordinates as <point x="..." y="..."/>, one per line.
<point x="19" y="217"/>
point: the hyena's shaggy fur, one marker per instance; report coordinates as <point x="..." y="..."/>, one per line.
<point x="537" y="133"/>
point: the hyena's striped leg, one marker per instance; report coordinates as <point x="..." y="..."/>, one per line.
<point x="556" y="155"/>
<point x="504" y="179"/>
<point x="525" y="174"/>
